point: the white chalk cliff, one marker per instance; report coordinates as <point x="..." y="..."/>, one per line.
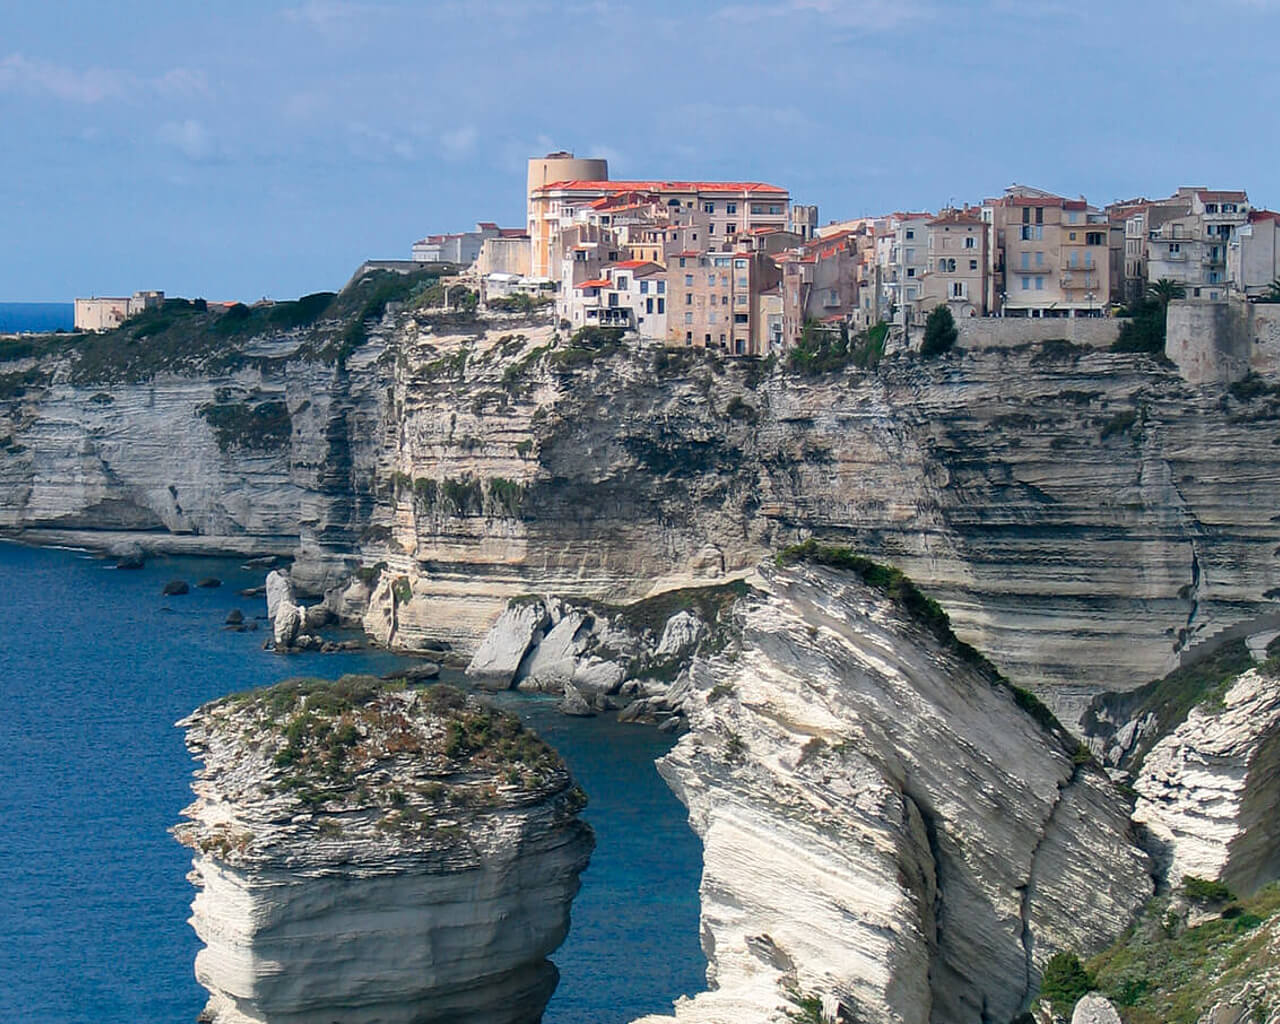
<point x="884" y="827"/>
<point x="1209" y="790"/>
<point x="377" y="857"/>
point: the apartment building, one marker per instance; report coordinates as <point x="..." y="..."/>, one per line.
<point x="630" y="295"/>
<point x="1055" y="254"/>
<point x="727" y="208"/>
<point x="820" y="282"/>
<point x="1253" y="257"/>
<point x="958" y="273"/>
<point x="461" y="248"/>
<point x="1189" y="241"/>
<point x="722" y="300"/>
<point x="902" y="255"/>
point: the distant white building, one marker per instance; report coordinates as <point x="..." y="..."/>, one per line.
<point x="106" y="314"/>
<point x="462" y="248"/>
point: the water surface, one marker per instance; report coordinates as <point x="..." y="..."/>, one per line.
<point x="96" y="666"/>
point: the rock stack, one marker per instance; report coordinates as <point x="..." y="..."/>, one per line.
<point x="370" y="853"/>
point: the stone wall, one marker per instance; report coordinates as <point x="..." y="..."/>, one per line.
<point x="1223" y="341"/>
<point x="1010" y="332"/>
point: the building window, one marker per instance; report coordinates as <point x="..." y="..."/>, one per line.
<point x="648" y="305"/>
<point x="1093" y="238"/>
<point x="973" y="264"/>
<point x="644" y="287"/>
<point x="711" y="229"/>
<point x="1072" y="235"/>
<point x="740" y="264"/>
<point x="711" y="318"/>
<point x="1175" y="248"/>
<point x="724" y="300"/>
<point x="688" y="318"/>
<point x="1026" y="284"/>
<point x="910" y="233"/>
<point x="682" y="261"/>
<point x="740" y="318"/>
<point x="708" y="207"/>
<point x="730" y="229"/>
<point x="688" y="278"/>
<point x="911" y="271"/>
<point x="662" y="305"/>
<point x="730" y="207"/>
<point x="1026" y="261"/>
<point x="957" y="289"/>
<point x="662" y="287"/>
<point x="1039" y="284"/>
<point x="1039" y="214"/>
<point x="970" y="242"/>
<point x="1039" y="259"/>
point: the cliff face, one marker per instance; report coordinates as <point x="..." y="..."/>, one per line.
<point x="884" y="828"/>
<point x="1081" y="514"/>
<point x="374" y="855"/>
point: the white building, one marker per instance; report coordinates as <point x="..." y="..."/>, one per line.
<point x="631" y="295"/>
<point x="1253" y="258"/>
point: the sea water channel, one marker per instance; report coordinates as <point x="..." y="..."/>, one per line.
<point x="96" y="666"/>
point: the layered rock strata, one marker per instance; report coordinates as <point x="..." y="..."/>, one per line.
<point x="1209" y="790"/>
<point x="885" y="828"/>
<point x="1083" y="515"/>
<point x="368" y="854"/>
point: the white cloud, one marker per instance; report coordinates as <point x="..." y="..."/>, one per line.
<point x="90" y="85"/>
<point x="190" y="138"/>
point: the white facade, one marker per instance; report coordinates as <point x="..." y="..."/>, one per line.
<point x="95" y="314"/>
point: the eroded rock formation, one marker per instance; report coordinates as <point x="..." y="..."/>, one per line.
<point x="1209" y="791"/>
<point x="368" y="854"/>
<point x="884" y="826"/>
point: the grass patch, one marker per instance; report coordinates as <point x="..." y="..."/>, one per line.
<point x="1160" y="972"/>
<point x="262" y="427"/>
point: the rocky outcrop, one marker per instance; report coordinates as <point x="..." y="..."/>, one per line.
<point x="885" y="826"/>
<point x="368" y="854"/>
<point x="1095" y="1009"/>
<point x="1209" y="790"/>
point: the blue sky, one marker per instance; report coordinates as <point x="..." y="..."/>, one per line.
<point x="242" y="148"/>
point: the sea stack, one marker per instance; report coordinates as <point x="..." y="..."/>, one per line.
<point x="366" y="852"/>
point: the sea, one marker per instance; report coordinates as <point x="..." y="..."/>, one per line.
<point x="20" y="317"/>
<point x="96" y="666"/>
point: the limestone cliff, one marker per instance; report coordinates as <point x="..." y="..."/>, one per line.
<point x="1209" y="790"/>
<point x="1081" y="514"/>
<point x="888" y="828"/>
<point x="367" y="854"/>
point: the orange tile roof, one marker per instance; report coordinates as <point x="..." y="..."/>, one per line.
<point x="1209" y="195"/>
<point x="599" y="282"/>
<point x="1257" y="215"/>
<point x="632" y="264"/>
<point x="663" y="186"/>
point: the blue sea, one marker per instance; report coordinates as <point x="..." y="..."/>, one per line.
<point x="96" y="666"/>
<point x="18" y="317"/>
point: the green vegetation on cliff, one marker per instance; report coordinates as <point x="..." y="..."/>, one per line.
<point x="1165" y="971"/>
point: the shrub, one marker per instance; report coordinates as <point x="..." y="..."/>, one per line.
<point x="1143" y="329"/>
<point x="737" y="409"/>
<point x="1204" y="890"/>
<point x="506" y="496"/>
<point x="940" y="332"/>
<point x="259" y="427"/>
<point x="1065" y="981"/>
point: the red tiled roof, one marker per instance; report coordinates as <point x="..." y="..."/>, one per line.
<point x="1210" y="196"/>
<point x="632" y="264"/>
<point x="487" y="224"/>
<point x="599" y="282"/>
<point x="663" y="186"/>
<point x="1257" y="215"/>
<point x="513" y="232"/>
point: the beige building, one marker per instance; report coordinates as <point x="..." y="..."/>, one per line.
<point x="1054" y="254"/>
<point x="506" y="254"/>
<point x="1189" y="243"/>
<point x="958" y="273"/>
<point x="820" y="282"/>
<point x="106" y="314"/>
<point x="721" y="300"/>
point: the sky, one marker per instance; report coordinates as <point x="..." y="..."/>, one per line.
<point x="239" y="149"/>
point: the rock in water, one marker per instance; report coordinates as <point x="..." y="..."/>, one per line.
<point x="877" y="810"/>
<point x="1209" y="789"/>
<point x="279" y="588"/>
<point x="369" y="854"/>
<point x="495" y="664"/>
<point x="175" y="588"/>
<point x="209" y="583"/>
<point x="235" y="617"/>
<point x="287" y="625"/>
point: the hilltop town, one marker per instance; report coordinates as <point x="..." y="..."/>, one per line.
<point x="739" y="267"/>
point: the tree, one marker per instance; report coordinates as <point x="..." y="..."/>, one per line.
<point x="1065" y="981"/>
<point x="1273" y="291"/>
<point x="940" y="332"/>
<point x="1165" y="291"/>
